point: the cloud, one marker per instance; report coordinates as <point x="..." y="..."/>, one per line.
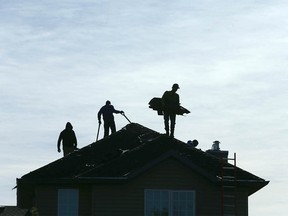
<point x="61" y="61"/>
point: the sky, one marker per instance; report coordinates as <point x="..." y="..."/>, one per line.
<point x="61" y="60"/>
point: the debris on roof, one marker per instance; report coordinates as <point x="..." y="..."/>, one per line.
<point x="13" y="211"/>
<point x="128" y="153"/>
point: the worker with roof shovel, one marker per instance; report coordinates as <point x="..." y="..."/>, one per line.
<point x="109" y="124"/>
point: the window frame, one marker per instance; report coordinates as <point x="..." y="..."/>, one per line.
<point x="68" y="202"/>
<point x="171" y="196"/>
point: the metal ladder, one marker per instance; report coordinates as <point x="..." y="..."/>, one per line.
<point x="229" y="187"/>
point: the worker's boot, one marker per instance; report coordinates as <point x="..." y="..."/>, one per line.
<point x="167" y="131"/>
<point x="172" y="131"/>
<point x="166" y="128"/>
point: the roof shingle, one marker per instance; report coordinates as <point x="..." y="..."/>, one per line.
<point x="126" y="153"/>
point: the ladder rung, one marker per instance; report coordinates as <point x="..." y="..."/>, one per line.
<point x="229" y="168"/>
<point x="228" y="182"/>
<point x="229" y="196"/>
<point x="228" y="187"/>
<point x="228" y="177"/>
<point x="229" y="206"/>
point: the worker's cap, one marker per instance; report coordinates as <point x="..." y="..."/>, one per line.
<point x="175" y="86"/>
<point x="108" y="102"/>
<point x="216" y="142"/>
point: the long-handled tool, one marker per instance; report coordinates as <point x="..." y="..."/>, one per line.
<point x="98" y="131"/>
<point x="126" y="117"/>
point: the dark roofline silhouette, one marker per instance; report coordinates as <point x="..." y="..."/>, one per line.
<point x="127" y="154"/>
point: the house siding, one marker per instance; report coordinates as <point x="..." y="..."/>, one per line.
<point x="242" y="201"/>
<point x="128" y="199"/>
<point x="25" y="195"/>
<point x="47" y="199"/>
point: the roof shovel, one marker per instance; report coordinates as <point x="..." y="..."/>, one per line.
<point x="98" y="131"/>
<point x="126" y="117"/>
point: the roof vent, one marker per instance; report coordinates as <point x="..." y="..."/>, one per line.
<point x="215" y="151"/>
<point x="193" y="143"/>
<point x="215" y="146"/>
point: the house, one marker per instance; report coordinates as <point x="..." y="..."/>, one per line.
<point x="13" y="211"/>
<point x="138" y="172"/>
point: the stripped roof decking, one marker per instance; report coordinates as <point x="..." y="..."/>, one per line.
<point x="129" y="152"/>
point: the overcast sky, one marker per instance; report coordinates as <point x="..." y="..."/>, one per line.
<point x="61" y="60"/>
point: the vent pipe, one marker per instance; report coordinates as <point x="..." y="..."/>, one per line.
<point x="215" y="151"/>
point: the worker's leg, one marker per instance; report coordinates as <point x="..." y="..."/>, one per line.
<point x="68" y="150"/>
<point x="173" y="122"/>
<point x="113" y="127"/>
<point x="106" y="128"/>
<point x="166" y="122"/>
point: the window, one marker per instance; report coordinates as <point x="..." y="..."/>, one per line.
<point x="169" y="203"/>
<point x="68" y="200"/>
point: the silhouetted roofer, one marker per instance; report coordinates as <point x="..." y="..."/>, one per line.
<point x="171" y="104"/>
<point x="107" y="111"/>
<point x="68" y="138"/>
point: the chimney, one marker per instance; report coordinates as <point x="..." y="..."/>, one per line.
<point x="215" y="151"/>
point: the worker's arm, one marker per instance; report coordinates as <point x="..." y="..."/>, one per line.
<point x="99" y="115"/>
<point x="75" y="142"/>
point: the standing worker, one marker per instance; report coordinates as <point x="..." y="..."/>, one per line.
<point x="68" y="138"/>
<point x="107" y="111"/>
<point x="171" y="104"/>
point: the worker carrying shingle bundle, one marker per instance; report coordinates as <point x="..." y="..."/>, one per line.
<point x="170" y="104"/>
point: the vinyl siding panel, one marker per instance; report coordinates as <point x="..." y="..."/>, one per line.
<point x="47" y="199"/>
<point x="128" y="199"/>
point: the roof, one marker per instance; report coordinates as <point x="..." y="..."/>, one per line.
<point x="127" y="154"/>
<point x="12" y="211"/>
